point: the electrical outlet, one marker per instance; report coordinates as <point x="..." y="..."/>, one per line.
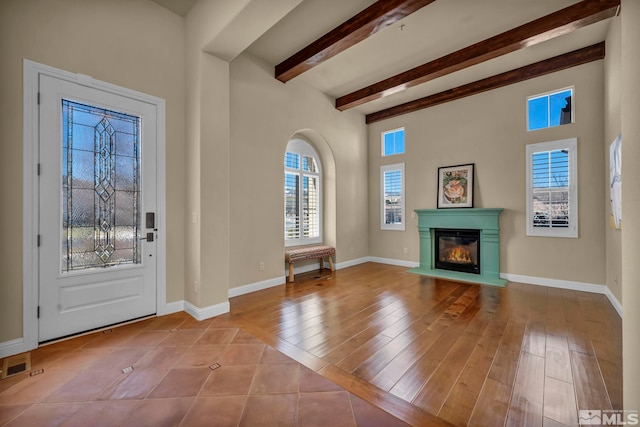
<point x="405" y="251"/>
<point x="261" y="266"/>
<point x="413" y="214"/>
<point x="194" y="217"/>
<point x="196" y="286"/>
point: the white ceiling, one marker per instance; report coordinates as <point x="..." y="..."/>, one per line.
<point x="440" y="28"/>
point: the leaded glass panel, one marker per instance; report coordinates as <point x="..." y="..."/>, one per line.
<point x="100" y="187"/>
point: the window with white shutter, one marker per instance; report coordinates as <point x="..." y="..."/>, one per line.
<point x="302" y="194"/>
<point x="392" y="197"/>
<point x="552" y="189"/>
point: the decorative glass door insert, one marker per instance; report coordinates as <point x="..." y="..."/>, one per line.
<point x="100" y="187"/>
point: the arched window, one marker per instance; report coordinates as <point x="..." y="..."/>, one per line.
<point x="302" y="194"/>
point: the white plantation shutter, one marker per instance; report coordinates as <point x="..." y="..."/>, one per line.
<point x="552" y="189"/>
<point x="310" y="199"/>
<point x="302" y="195"/>
<point x="392" y="197"/>
<point x="291" y="206"/>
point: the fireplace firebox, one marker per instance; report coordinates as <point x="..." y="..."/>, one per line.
<point x="457" y="250"/>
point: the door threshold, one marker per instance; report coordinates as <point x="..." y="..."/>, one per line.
<point x="91" y="331"/>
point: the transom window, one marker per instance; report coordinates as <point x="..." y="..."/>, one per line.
<point x="302" y="194"/>
<point x="552" y="189"/>
<point x="393" y="142"/>
<point x="550" y="109"/>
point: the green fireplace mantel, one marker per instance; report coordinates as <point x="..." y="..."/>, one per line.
<point x="484" y="219"/>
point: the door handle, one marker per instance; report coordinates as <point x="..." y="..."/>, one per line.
<point x="149" y="237"/>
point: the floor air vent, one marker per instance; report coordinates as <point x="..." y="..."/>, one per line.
<point x="15" y="365"/>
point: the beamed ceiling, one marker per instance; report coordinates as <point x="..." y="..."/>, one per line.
<point x="390" y="57"/>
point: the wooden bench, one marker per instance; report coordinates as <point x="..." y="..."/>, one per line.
<point x="305" y="253"/>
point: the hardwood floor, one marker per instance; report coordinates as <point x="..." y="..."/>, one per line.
<point x="432" y="352"/>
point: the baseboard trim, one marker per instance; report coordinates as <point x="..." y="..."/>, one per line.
<point x="203" y="313"/>
<point x="314" y="266"/>
<point x="170" y="308"/>
<point x="614" y="301"/>
<point x="398" y="262"/>
<point x="11" y="347"/>
<point x="566" y="284"/>
<point x="257" y="286"/>
<point x="555" y="283"/>
<point x="338" y="265"/>
<point x="352" y="262"/>
<point x="281" y="280"/>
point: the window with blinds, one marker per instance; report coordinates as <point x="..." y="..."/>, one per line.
<point x="392" y="197"/>
<point x="302" y="195"/>
<point x="552" y="189"/>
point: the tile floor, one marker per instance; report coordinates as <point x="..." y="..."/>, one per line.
<point x="172" y="383"/>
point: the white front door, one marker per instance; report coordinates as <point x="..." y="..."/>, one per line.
<point x="97" y="204"/>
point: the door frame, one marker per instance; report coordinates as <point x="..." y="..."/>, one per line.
<point x="30" y="204"/>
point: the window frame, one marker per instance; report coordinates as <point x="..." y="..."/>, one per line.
<point x="572" y="230"/>
<point x="384" y="133"/>
<point x="303" y="149"/>
<point x="397" y="226"/>
<point x="548" y="95"/>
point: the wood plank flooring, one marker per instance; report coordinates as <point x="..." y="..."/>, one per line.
<point x="433" y="352"/>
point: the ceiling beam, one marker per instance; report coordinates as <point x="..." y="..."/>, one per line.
<point x="548" y="27"/>
<point x="557" y="63"/>
<point x="366" y="23"/>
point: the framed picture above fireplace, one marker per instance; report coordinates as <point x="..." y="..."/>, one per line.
<point x="455" y="186"/>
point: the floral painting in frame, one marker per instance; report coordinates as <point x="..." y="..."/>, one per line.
<point x="455" y="186"/>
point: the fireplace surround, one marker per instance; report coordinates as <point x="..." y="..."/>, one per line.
<point x="457" y="250"/>
<point x="483" y="221"/>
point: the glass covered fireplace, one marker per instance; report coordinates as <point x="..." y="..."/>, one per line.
<point x="457" y="250"/>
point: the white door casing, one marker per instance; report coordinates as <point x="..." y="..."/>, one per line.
<point x="78" y="300"/>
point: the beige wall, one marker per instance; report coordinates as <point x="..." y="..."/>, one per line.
<point x="265" y="114"/>
<point x="123" y="42"/>
<point x="631" y="202"/>
<point x="612" y="128"/>
<point x="489" y="130"/>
